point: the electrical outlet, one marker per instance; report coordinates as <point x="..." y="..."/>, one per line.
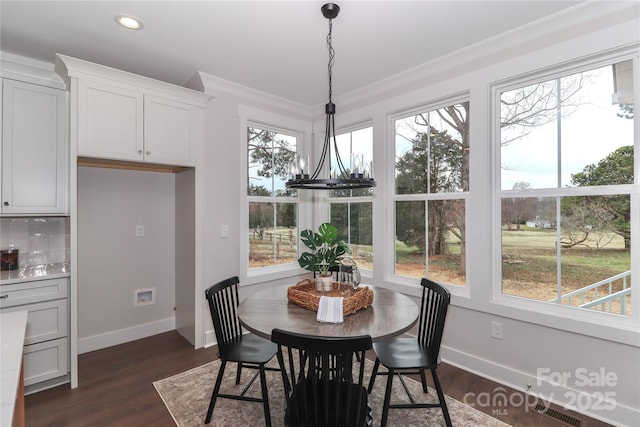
<point x="144" y="297"/>
<point x="496" y="330"/>
<point x="139" y="230"/>
<point x="224" y="231"/>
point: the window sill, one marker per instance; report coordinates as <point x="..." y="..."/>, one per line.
<point x="610" y="327"/>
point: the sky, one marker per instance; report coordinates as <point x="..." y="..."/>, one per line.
<point x="587" y="136"/>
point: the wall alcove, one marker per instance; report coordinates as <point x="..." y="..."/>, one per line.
<point x="136" y="230"/>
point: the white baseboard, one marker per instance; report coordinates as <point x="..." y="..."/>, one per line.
<point x="210" y="339"/>
<point x="121" y="336"/>
<point x="539" y="391"/>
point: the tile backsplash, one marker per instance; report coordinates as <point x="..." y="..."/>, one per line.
<point x="40" y="240"/>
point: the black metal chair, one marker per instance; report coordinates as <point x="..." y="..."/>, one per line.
<point x="414" y="356"/>
<point x="322" y="384"/>
<point x="248" y="350"/>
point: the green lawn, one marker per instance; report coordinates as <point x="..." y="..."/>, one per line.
<point x="529" y="258"/>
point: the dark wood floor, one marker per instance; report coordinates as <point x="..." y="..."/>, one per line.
<point x="116" y="388"/>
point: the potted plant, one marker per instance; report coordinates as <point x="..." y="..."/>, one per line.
<point x="325" y="251"/>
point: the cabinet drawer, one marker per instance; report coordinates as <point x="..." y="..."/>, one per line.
<point x="44" y="361"/>
<point x="45" y="320"/>
<point x="30" y="292"/>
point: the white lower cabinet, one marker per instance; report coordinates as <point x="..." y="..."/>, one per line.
<point x="45" y="361"/>
<point x="46" y="344"/>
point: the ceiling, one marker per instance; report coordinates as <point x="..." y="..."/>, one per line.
<point x="278" y="47"/>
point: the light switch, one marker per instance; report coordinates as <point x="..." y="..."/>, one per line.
<point x="224" y="231"/>
<point x="139" y="230"/>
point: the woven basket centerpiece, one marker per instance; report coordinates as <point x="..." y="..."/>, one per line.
<point x="305" y="295"/>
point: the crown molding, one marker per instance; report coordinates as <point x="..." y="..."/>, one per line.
<point x="29" y="70"/>
<point x="215" y="86"/>
<point x="67" y="67"/>
<point x="579" y="20"/>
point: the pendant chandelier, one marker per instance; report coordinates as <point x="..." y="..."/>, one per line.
<point x="359" y="175"/>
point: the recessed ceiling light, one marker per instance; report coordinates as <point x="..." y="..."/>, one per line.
<point x="129" y="22"/>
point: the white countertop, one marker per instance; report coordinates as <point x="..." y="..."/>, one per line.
<point x="12" y="329"/>
<point x="39" y="272"/>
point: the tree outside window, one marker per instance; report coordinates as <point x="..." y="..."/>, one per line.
<point x="431" y="184"/>
<point x="273" y="209"/>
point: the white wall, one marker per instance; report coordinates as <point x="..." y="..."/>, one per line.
<point x="113" y="262"/>
<point x="225" y="181"/>
<point x="533" y="341"/>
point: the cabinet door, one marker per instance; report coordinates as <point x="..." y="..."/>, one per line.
<point x="34" y="149"/>
<point x="110" y="121"/>
<point x="170" y="131"/>
<point x="46" y="360"/>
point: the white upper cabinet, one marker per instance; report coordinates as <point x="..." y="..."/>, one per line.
<point x="170" y="128"/>
<point x="122" y="116"/>
<point x="34" y="149"/>
<point x="110" y="122"/>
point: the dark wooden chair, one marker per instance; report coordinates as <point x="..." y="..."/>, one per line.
<point x="323" y="382"/>
<point x="415" y="355"/>
<point x="248" y="350"/>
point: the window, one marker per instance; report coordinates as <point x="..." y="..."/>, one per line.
<point x="431" y="187"/>
<point x="273" y="209"/>
<point x="351" y="210"/>
<point x="566" y="174"/>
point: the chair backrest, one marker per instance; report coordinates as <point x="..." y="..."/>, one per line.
<point x="433" y="313"/>
<point x="323" y="379"/>
<point x="223" y="302"/>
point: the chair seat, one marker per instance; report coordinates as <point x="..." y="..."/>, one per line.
<point x="249" y="349"/>
<point x="403" y="353"/>
<point x="352" y="398"/>
<point x="415" y="355"/>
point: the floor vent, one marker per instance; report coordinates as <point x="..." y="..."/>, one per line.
<point x="567" y="419"/>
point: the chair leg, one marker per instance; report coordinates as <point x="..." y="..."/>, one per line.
<point x="216" y="390"/>
<point x="443" y="403"/>
<point x="265" y="397"/>
<point x="238" y="372"/>
<point x="387" y="398"/>
<point x="374" y="373"/>
<point x="423" y="379"/>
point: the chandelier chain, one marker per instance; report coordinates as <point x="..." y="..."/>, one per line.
<point x="332" y="55"/>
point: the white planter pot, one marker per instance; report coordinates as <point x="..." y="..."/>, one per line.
<point x="324" y="284"/>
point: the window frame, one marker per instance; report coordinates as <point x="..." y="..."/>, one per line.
<point x="349" y="200"/>
<point x="580" y="318"/>
<point x="393" y="197"/>
<point x="301" y="129"/>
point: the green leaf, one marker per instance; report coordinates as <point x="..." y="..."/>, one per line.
<point x="328" y="232"/>
<point x="342" y="248"/>
<point x="311" y="239"/>
<point x="308" y="261"/>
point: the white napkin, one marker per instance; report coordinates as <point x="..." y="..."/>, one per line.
<point x="330" y="310"/>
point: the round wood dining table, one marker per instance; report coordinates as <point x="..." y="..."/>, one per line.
<point x="391" y="314"/>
